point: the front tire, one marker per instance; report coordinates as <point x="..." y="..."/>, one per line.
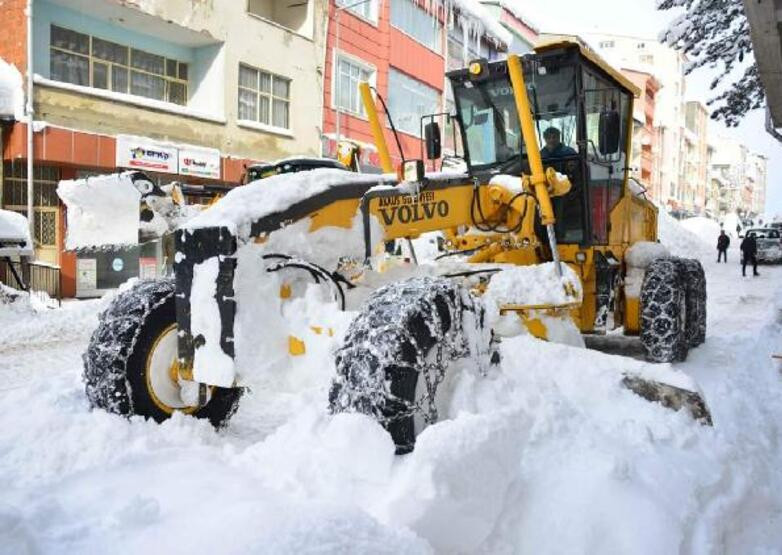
<point x="129" y="364"/>
<point x="396" y="357"/>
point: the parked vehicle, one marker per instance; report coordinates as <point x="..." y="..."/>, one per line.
<point x="769" y="242"/>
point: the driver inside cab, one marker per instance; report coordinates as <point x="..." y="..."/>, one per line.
<point x="554" y="147"/>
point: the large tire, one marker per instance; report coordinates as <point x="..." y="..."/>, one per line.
<point x="695" y="282"/>
<point x="663" y="312"/>
<point x="138" y="323"/>
<point x="398" y="351"/>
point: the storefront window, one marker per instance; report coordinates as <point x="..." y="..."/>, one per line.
<point x="45" y="202"/>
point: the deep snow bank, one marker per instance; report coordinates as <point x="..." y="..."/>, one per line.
<point x="706" y="229"/>
<point x="679" y="240"/>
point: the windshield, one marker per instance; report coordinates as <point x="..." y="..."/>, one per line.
<point x="491" y="124"/>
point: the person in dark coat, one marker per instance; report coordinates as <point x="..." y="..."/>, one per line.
<point x="723" y="242"/>
<point x="749" y="248"/>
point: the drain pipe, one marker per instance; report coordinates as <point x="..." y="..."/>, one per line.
<point x="30" y="117"/>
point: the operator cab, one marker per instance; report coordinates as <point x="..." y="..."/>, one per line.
<point x="582" y="111"/>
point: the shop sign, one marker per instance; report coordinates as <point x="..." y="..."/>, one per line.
<point x="199" y="162"/>
<point x="145" y="154"/>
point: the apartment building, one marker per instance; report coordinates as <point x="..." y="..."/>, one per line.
<point x="758" y="174"/>
<point x="695" y="165"/>
<point x="403" y="48"/>
<point x="645" y="154"/>
<point x="188" y="91"/>
<point x="740" y="176"/>
<point x="667" y="66"/>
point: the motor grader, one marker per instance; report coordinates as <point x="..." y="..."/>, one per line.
<point x="535" y="244"/>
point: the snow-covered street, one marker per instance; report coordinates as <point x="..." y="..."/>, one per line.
<point x="548" y="455"/>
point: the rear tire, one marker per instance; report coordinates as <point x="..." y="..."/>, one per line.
<point x="120" y="364"/>
<point x="664" y="312"/>
<point x="695" y="282"/>
<point x="398" y="351"/>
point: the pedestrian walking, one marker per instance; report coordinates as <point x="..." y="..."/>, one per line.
<point x="749" y="250"/>
<point x="723" y="242"/>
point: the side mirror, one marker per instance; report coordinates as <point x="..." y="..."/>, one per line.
<point x="411" y="171"/>
<point x="609" y="132"/>
<point x="432" y="138"/>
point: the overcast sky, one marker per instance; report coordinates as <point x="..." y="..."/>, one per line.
<point x="639" y="17"/>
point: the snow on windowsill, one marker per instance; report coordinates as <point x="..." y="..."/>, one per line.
<point x="140" y="101"/>
<point x="249" y="124"/>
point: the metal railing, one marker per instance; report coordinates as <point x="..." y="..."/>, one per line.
<point x="41" y="279"/>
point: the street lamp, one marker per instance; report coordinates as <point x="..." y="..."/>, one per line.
<point x="339" y="10"/>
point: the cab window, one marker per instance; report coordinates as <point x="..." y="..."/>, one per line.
<point x="606" y="160"/>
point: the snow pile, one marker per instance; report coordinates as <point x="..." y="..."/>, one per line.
<point x="547" y="453"/>
<point x="102" y="211"/>
<point x="706" y="229"/>
<point x="638" y="257"/>
<point x="729" y="224"/>
<point x="244" y="205"/>
<point x="13" y="305"/>
<point x="15" y="229"/>
<point x="510" y="182"/>
<point x="680" y="241"/>
<point x="538" y="284"/>
<point x="11" y="92"/>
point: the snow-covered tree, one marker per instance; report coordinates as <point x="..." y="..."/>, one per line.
<point x="715" y="34"/>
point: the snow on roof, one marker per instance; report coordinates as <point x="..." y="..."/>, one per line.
<point x="513" y="7"/>
<point x="14" y="229"/>
<point x="476" y="20"/>
<point x="244" y="205"/>
<point x="11" y="92"/>
<point x="479" y="21"/>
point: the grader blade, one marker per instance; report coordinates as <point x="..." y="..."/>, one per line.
<point x="669" y="396"/>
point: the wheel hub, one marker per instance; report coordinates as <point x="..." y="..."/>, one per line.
<point x="162" y="373"/>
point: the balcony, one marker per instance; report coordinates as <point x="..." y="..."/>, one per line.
<point x="125" y="55"/>
<point x="297" y="17"/>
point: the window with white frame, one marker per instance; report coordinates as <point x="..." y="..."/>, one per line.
<point x="409" y="17"/>
<point x="264" y="97"/>
<point x="408" y="100"/>
<point x="367" y="10"/>
<point x="347" y="75"/>
<point x="89" y="61"/>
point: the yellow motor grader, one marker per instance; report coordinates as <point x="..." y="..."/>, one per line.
<point x="547" y="238"/>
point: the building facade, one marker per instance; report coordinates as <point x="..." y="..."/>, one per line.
<point x="403" y="49"/>
<point x="645" y="155"/>
<point x="188" y="91"/>
<point x="667" y="66"/>
<point x="740" y="176"/>
<point x="695" y="164"/>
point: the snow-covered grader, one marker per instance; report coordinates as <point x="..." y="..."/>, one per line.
<point x="551" y="242"/>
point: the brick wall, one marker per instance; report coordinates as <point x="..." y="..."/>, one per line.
<point x="13" y="38"/>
